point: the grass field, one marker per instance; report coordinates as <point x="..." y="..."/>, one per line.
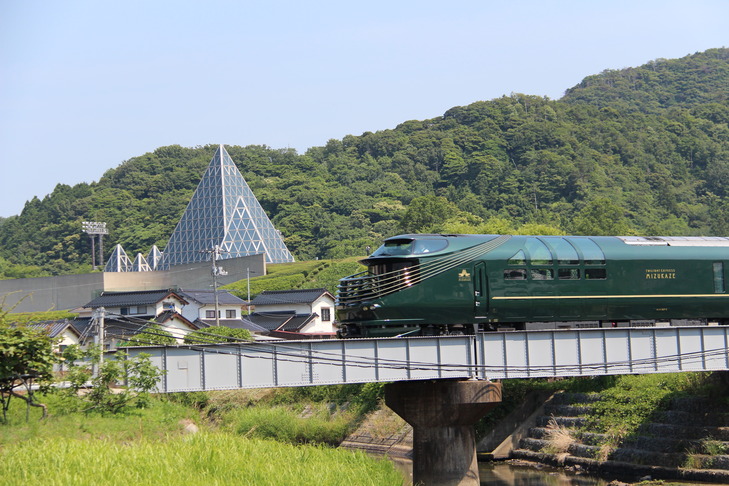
<point x="248" y="438"/>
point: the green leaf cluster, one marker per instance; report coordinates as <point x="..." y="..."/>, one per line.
<point x="218" y="334"/>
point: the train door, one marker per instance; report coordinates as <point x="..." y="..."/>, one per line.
<point x="480" y="290"/>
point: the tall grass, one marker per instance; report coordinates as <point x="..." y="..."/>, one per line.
<point x="316" y="425"/>
<point x="202" y="459"/>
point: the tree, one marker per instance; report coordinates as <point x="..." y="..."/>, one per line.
<point x="601" y="217"/>
<point x="26" y="360"/>
<point x="120" y="383"/>
<point x="218" y="334"/>
<point x="428" y="214"/>
<point x="152" y="334"/>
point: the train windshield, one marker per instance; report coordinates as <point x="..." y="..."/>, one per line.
<point x="410" y="246"/>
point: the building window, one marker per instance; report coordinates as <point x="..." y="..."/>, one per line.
<point x="124" y="311"/>
<point x="326" y="314"/>
<point x="230" y="314"/>
<point x="141" y="309"/>
<point x="210" y="314"/>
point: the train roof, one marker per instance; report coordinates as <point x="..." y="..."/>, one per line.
<point x="620" y="247"/>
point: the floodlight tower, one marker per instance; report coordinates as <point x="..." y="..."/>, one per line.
<point x="93" y="228"/>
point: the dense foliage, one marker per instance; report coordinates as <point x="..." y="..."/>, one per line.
<point x="640" y="150"/>
<point x="218" y="334"/>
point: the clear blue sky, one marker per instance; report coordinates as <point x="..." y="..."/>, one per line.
<point x="86" y="85"/>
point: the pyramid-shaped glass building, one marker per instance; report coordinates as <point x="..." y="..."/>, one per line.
<point x="223" y="211"/>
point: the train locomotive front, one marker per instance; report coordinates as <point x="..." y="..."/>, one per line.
<point x="416" y="284"/>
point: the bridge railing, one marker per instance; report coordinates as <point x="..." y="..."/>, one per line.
<point x="302" y="363"/>
<point x="497" y="355"/>
<point x="611" y="351"/>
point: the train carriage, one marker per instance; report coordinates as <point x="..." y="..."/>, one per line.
<point x="437" y="284"/>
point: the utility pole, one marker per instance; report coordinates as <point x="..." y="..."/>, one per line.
<point x="216" y="271"/>
<point x="99" y="338"/>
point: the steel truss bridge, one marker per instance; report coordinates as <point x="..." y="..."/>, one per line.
<point x="485" y="356"/>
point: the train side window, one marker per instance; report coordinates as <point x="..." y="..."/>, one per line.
<point x="542" y="274"/>
<point x="719" y="277"/>
<point x="568" y="273"/>
<point x="515" y="274"/>
<point x="539" y="254"/>
<point x="519" y="258"/>
<point x="595" y="274"/>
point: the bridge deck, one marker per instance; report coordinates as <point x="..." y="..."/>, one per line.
<point x="497" y="355"/>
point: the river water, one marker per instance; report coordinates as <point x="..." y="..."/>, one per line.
<point x="500" y="474"/>
<point x="508" y="474"/>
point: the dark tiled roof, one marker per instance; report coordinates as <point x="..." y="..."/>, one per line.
<point x="142" y="297"/>
<point x="53" y="328"/>
<point x="303" y="296"/>
<point x="281" y="321"/>
<point x="208" y="297"/>
<point x="112" y="328"/>
<point x="297" y="322"/>
<point x="270" y="320"/>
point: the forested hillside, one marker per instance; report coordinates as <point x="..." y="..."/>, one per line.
<point x="640" y="150"/>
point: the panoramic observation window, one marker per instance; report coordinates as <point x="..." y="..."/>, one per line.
<point x="519" y="258"/>
<point x="542" y="274"/>
<point x="592" y="253"/>
<point x="395" y="247"/>
<point x="515" y="274"/>
<point x="428" y="246"/>
<point x="539" y="254"/>
<point x="566" y="253"/>
<point x="410" y="247"/>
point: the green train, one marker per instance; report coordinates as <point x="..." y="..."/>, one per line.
<point x="431" y="284"/>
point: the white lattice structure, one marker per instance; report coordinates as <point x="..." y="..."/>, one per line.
<point x="223" y="211"/>
<point x="118" y="261"/>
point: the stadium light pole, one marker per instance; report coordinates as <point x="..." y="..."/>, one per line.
<point x="93" y="228"/>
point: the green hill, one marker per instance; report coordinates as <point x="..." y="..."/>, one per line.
<point x="641" y="150"/>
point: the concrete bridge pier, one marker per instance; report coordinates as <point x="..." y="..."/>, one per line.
<point x="442" y="414"/>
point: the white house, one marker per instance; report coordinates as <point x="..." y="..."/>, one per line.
<point x="295" y="314"/>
